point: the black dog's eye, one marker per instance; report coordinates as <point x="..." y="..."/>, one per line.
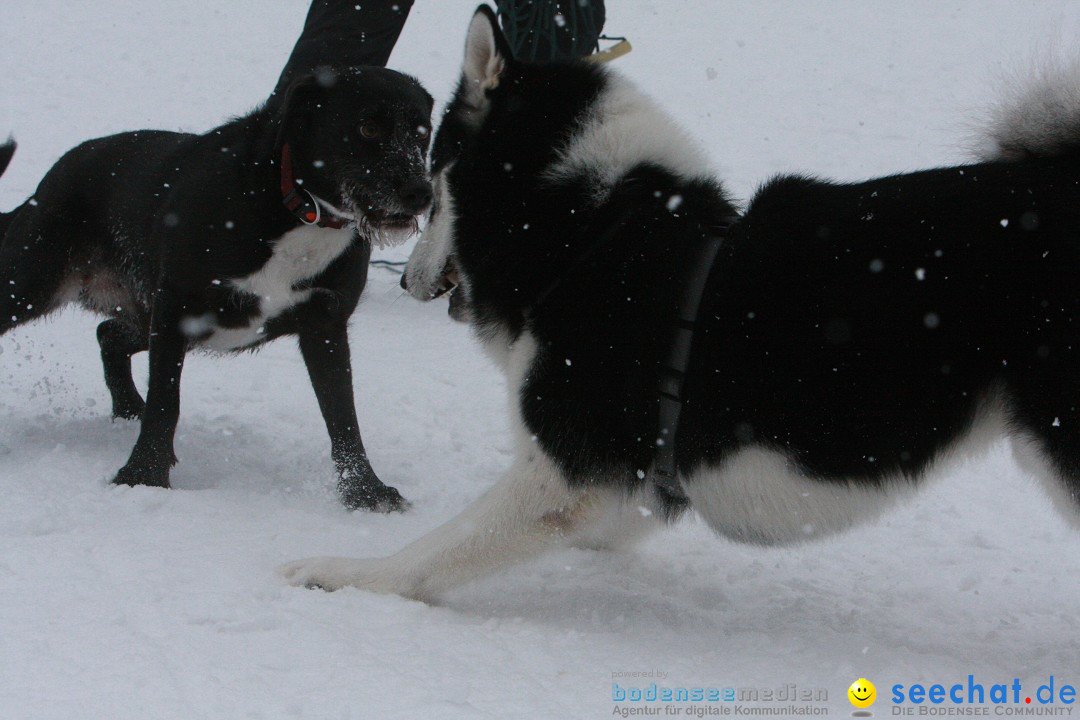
<point x="368" y="131"/>
<point x="423" y="131"/>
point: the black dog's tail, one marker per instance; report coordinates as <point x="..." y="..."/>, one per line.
<point x="1039" y="118"/>
<point x="6" y="151"/>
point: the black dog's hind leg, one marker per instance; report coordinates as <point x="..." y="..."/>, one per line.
<point x="119" y="341"/>
<point x="326" y="353"/>
<point x="153" y="455"/>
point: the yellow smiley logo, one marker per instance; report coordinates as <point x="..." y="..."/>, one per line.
<point x="862" y="693"/>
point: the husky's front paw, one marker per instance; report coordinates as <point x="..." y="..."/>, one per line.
<point x="321" y="573"/>
<point x="330" y="573"/>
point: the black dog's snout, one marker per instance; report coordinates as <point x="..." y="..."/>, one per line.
<point x="415" y="196"/>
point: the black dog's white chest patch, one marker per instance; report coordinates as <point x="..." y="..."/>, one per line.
<point x="299" y="255"/>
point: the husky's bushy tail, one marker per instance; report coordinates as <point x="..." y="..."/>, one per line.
<point x="1039" y="117"/>
<point x="6" y="151"/>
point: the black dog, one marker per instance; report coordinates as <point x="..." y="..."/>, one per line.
<point x="259" y="228"/>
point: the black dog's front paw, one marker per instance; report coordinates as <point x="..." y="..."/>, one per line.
<point x="132" y="476"/>
<point x="362" y="490"/>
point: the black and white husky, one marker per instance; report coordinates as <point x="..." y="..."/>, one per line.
<point x="850" y="337"/>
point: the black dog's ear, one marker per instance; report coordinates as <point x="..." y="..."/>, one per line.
<point x="301" y="101"/>
<point x="487" y="54"/>
<point x="300" y="93"/>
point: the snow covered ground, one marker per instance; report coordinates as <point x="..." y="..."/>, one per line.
<point x="139" y="603"/>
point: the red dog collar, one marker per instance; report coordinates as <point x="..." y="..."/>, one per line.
<point x="300" y="202"/>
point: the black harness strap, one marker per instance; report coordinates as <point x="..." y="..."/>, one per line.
<point x="673" y="370"/>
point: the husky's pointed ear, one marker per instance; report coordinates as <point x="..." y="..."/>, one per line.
<point x="487" y="53"/>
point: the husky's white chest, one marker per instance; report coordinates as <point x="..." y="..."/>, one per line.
<point x="299" y="255"/>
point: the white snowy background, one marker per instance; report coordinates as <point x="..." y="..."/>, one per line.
<point x="141" y="603"/>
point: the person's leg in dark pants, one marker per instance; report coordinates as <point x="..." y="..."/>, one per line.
<point x="345" y="33"/>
